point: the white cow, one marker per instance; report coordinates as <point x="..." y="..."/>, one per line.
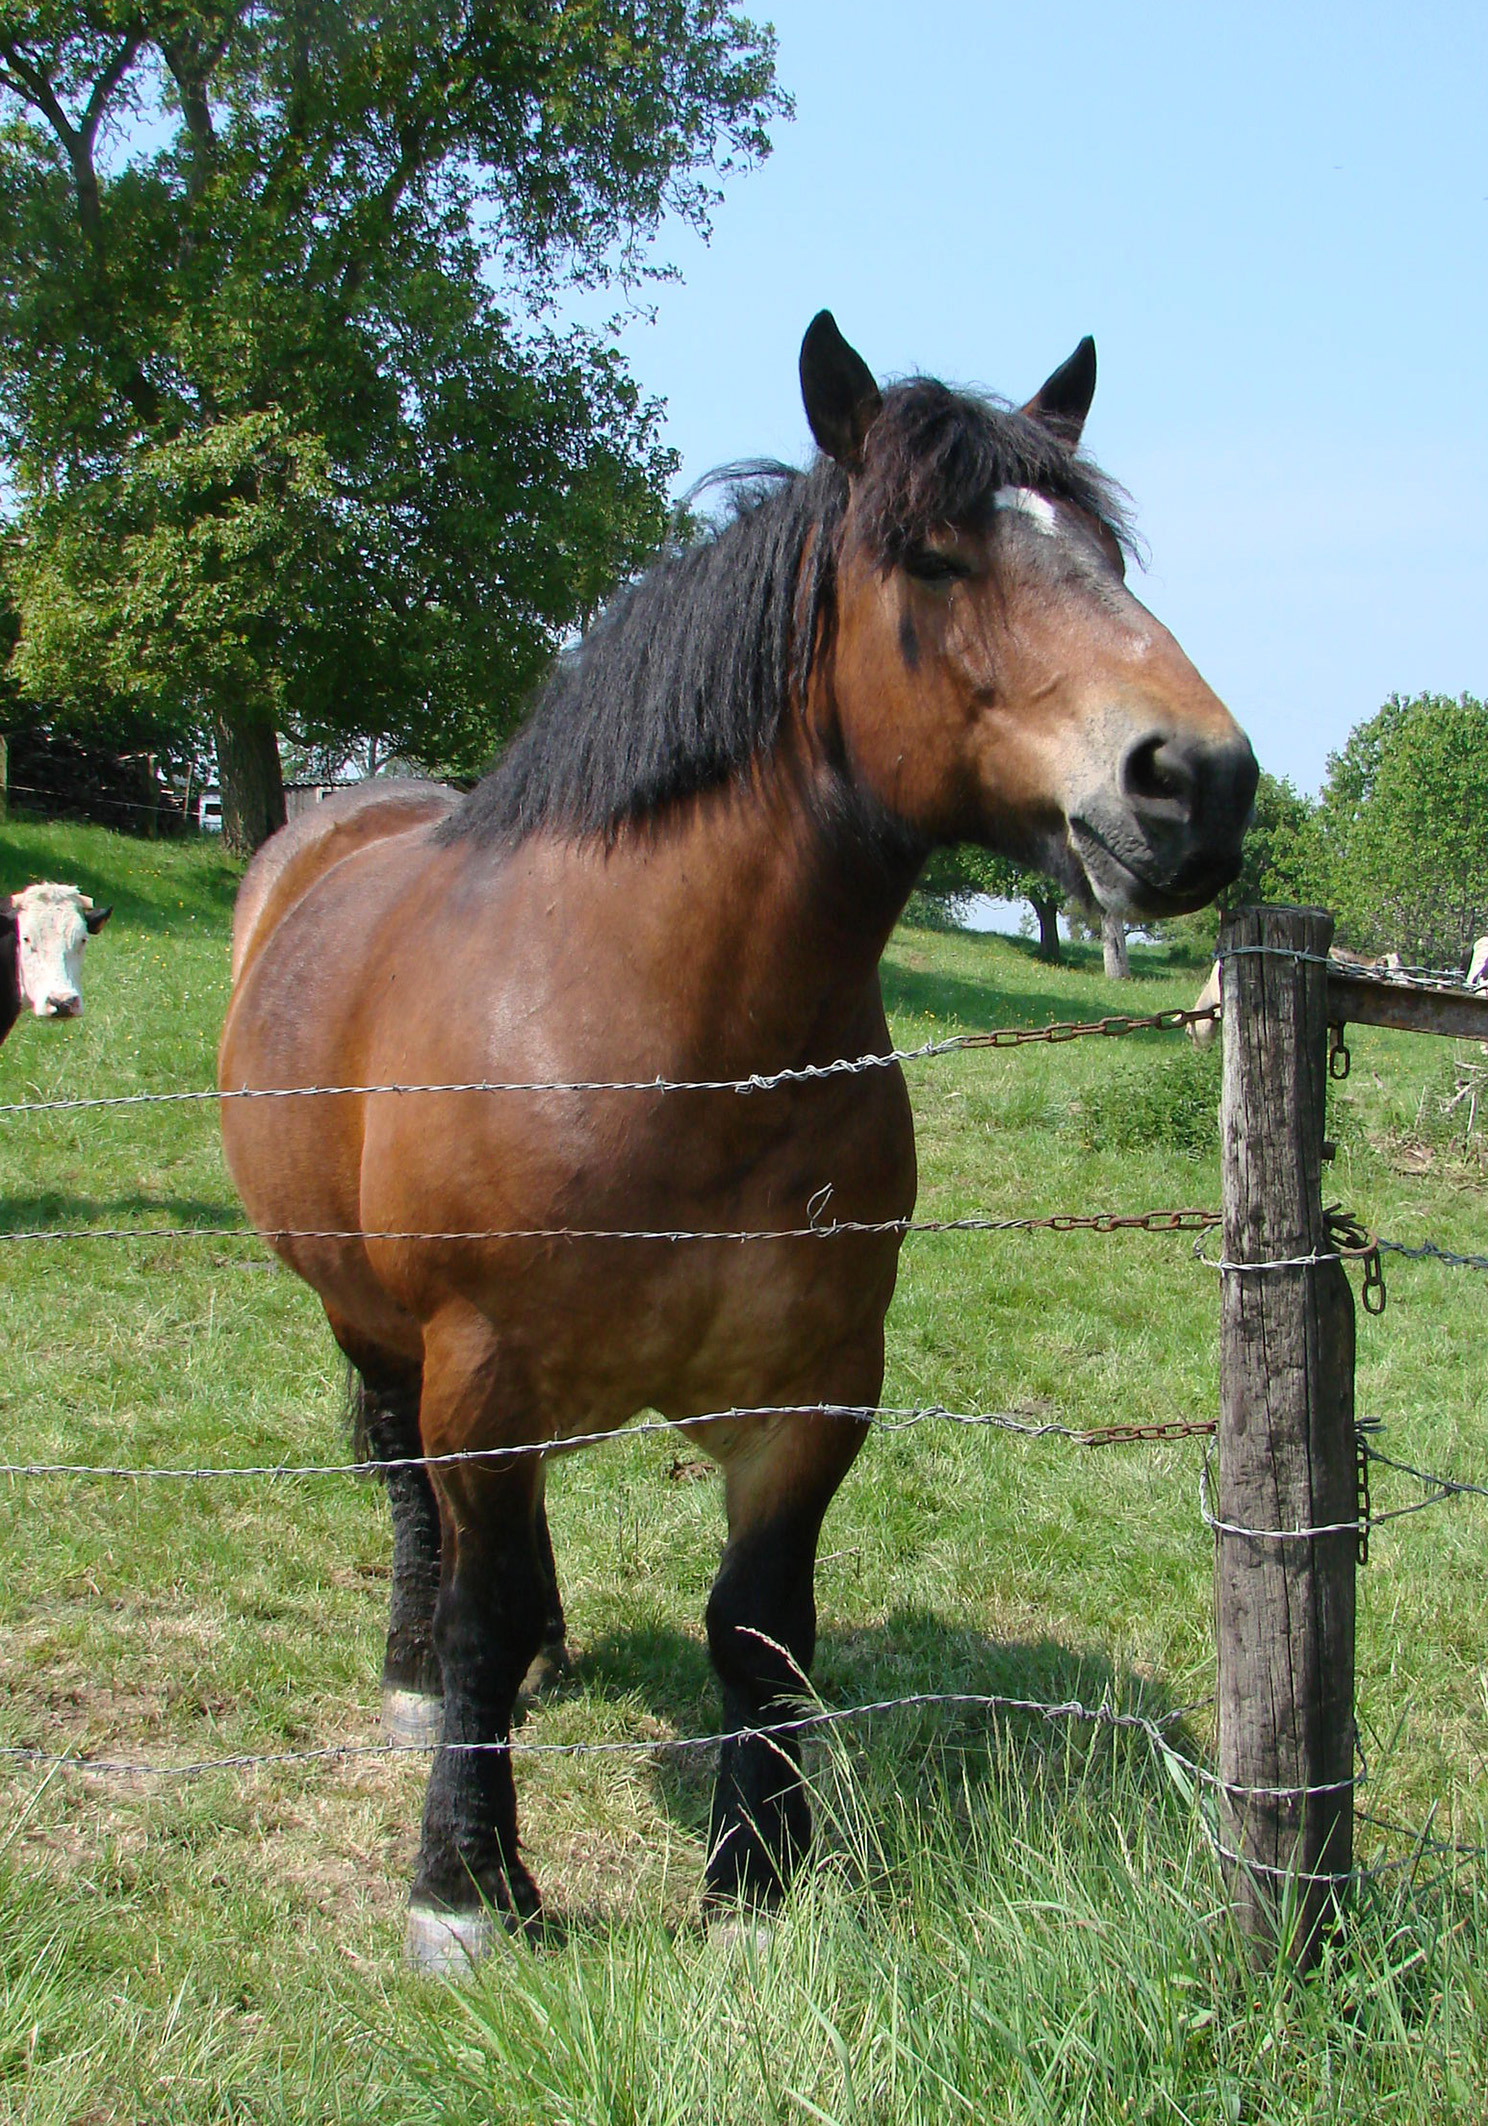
<point x="1390" y="963"/>
<point x="1477" y="966"/>
<point x="45" y="929"/>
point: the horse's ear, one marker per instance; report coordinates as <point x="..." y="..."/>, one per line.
<point x="95" y="918"/>
<point x="1063" y="401"/>
<point x="841" y="399"/>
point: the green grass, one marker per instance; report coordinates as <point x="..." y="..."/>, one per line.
<point x="1003" y="1922"/>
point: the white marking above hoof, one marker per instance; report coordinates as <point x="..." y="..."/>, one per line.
<point x="413" y="1717"/>
<point x="750" y="1931"/>
<point x="447" y="1944"/>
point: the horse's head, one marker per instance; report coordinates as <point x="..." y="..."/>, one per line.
<point x="993" y="679"/>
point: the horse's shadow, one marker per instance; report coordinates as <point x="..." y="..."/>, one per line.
<point x="912" y="1655"/>
<point x="45" y="1208"/>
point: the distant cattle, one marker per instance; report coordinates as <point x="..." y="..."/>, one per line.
<point x="1477" y="966"/>
<point x="1209" y="997"/>
<point x="43" y="930"/>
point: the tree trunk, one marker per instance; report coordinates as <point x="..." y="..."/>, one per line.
<point x="1046" y="908"/>
<point x="250" y="780"/>
<point x="1113" y="946"/>
<point x="4" y="777"/>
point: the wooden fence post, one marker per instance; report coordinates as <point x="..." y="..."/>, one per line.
<point x="1284" y="1603"/>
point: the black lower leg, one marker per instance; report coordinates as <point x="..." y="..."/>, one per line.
<point x="762" y="1636"/>
<point x="387" y="1431"/>
<point x="487" y="1627"/>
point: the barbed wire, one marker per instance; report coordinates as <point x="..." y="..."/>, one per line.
<point x="796" y="1723"/>
<point x="1113" y="1027"/>
<point x="872" y="1417"/>
<point x="1107" y="1222"/>
<point x="170" y="804"/>
<point x="1404" y="976"/>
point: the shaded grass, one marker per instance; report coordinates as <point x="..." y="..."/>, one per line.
<point x="1031" y="1923"/>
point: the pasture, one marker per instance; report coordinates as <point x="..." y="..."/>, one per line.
<point x="1007" y="1919"/>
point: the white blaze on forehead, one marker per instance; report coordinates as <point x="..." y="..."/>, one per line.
<point x="52" y="932"/>
<point x="1027" y="502"/>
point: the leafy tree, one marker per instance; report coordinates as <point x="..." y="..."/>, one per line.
<point x="1404" y="825"/>
<point x="295" y="443"/>
<point x="1282" y="858"/>
<point x="957" y="874"/>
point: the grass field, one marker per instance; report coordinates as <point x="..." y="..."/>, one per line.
<point x="1004" y="1921"/>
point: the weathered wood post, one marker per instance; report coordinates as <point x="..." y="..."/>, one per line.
<point x="1287" y="1502"/>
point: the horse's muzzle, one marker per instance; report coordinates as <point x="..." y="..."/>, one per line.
<point x="1169" y="836"/>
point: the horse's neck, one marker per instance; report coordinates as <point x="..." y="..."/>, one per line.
<point x="783" y="899"/>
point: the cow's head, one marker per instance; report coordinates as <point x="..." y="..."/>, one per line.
<point x="53" y="924"/>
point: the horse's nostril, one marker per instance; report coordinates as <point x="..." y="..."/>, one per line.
<point x="1157" y="771"/>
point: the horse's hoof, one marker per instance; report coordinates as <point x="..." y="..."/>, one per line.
<point x="447" y="1944"/>
<point x="752" y="1932"/>
<point x="549" y="1666"/>
<point x="412" y="1718"/>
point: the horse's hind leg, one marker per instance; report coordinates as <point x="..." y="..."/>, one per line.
<point x="488" y="1625"/>
<point x="387" y="1432"/>
<point x="762" y="1636"/>
<point x="551" y="1659"/>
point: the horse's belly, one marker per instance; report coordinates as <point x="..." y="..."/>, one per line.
<point x="593" y="1326"/>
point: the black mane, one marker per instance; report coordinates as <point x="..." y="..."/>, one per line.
<point x="686" y="678"/>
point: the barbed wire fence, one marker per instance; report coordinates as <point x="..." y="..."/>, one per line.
<point x="1349" y="1244"/>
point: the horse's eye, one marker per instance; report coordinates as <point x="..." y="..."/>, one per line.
<point x="928" y="566"/>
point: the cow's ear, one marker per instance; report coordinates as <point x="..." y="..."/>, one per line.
<point x="96" y="918"/>
<point x="1063" y="400"/>
<point x="841" y="399"/>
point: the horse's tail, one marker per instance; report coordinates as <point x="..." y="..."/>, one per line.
<point x="382" y="1421"/>
<point x="357" y="1418"/>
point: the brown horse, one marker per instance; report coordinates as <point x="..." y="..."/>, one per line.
<point x="686" y="866"/>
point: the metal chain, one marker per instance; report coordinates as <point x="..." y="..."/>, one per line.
<point x="1429" y="1251"/>
<point x="1441" y="1488"/>
<point x="1115" y="1026"/>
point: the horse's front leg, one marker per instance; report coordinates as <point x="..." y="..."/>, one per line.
<point x="779" y="1481"/>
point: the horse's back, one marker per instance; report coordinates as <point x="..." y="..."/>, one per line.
<point x="291" y="861"/>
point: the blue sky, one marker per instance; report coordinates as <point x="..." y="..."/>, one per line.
<point x="1275" y="222"/>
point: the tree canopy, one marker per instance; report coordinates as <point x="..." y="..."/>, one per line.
<point x="1403" y="824"/>
<point x="294" y="439"/>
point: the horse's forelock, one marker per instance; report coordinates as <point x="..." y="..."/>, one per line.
<point x="937" y="457"/>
